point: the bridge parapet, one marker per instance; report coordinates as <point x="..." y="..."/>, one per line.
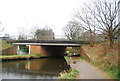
<point x="51" y="42"/>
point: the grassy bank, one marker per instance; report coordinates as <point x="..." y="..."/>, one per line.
<point x="67" y="59"/>
<point x="4" y="44"/>
<point x="104" y="57"/>
<point x="70" y="74"/>
<point x="18" y="57"/>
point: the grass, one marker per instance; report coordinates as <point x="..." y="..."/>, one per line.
<point x="67" y="59"/>
<point x="111" y="70"/>
<point x="4" y="44"/>
<point x="70" y="75"/>
<point x="83" y="58"/>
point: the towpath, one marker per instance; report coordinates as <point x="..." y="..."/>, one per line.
<point x="87" y="71"/>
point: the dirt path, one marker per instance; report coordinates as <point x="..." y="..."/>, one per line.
<point x="87" y="71"/>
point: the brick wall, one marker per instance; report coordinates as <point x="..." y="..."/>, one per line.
<point x="34" y="49"/>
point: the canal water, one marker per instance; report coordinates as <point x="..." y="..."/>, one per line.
<point x="44" y="68"/>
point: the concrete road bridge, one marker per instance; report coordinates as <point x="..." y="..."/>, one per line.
<point x="47" y="47"/>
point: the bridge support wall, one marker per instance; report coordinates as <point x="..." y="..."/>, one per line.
<point x="84" y="54"/>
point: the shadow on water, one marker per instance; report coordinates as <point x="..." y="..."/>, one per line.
<point x="34" y="69"/>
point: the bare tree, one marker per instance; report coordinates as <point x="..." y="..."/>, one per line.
<point x="32" y="32"/>
<point x="102" y="16"/>
<point x="1" y="28"/>
<point x="22" y="34"/>
<point x="21" y="37"/>
<point x="72" y="30"/>
<point x="87" y="22"/>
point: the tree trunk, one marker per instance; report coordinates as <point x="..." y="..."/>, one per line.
<point x="111" y="43"/>
<point x="91" y="43"/>
<point x="91" y="40"/>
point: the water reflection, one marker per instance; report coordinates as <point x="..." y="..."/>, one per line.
<point x="34" y="69"/>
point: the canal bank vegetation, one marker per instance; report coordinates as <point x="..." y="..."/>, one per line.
<point x="104" y="57"/>
<point x="83" y="58"/>
<point x="67" y="59"/>
<point x="19" y="57"/>
<point x="69" y="75"/>
<point x="4" y="44"/>
<point x="72" y="74"/>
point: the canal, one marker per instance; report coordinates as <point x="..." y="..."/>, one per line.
<point x="44" y="68"/>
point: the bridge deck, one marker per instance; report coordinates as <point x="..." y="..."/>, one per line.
<point x="50" y="42"/>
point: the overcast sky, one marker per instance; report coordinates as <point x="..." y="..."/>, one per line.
<point x="19" y="14"/>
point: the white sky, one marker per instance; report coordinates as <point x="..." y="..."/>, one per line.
<point x="18" y="14"/>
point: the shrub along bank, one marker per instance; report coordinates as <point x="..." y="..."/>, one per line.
<point x="71" y="74"/>
<point x="4" y="44"/>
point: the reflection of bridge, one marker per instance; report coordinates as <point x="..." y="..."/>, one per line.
<point x="48" y="47"/>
